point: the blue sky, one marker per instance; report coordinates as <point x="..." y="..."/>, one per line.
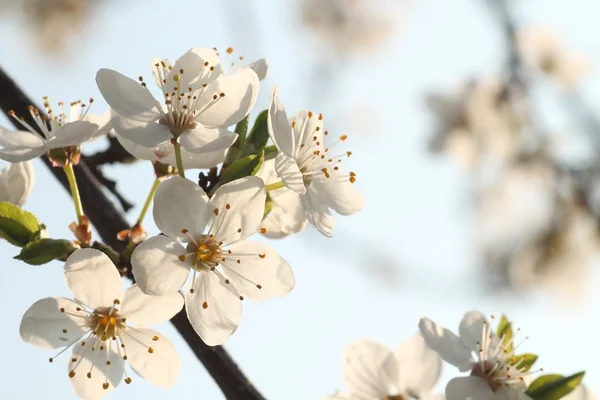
<point x="417" y="207"/>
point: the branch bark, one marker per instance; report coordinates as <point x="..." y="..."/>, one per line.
<point x="108" y="221"/>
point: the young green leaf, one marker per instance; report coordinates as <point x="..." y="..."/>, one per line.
<point x="43" y="251"/>
<point x="505" y="332"/>
<point x="17" y="226"/>
<point x="524" y="361"/>
<point x="270" y="152"/>
<point x="243" y="167"/>
<point x="259" y="135"/>
<point x="235" y="151"/>
<point x="553" y="386"/>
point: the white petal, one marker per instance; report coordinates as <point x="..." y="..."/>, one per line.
<point x="213" y="310"/>
<point x="204" y="140"/>
<point x="180" y="204"/>
<point x="103" y="122"/>
<point x="308" y="131"/>
<point x="290" y="174"/>
<point x="19" y="139"/>
<point x="161" y="366"/>
<point x="581" y="393"/>
<point x="126" y="96"/>
<point x="19" y="154"/>
<point x="20" y="178"/>
<point x="420" y="367"/>
<point x="150" y="310"/>
<point x="195" y="72"/>
<point x="136" y="150"/>
<point x="71" y="134"/>
<point x="240" y="89"/>
<point x="240" y="207"/>
<point x="261" y="68"/>
<point x="471" y="328"/>
<point x="194" y="161"/>
<point x="147" y="134"/>
<point x="346" y="396"/>
<point x="317" y="213"/>
<point x="93" y="361"/>
<point x="286" y="216"/>
<point x="92" y="278"/>
<point x="280" y="130"/>
<point x="43" y="324"/>
<point x="341" y="195"/>
<point x="446" y="344"/>
<point x="369" y="368"/>
<point x="469" y="388"/>
<point x="261" y="273"/>
<point x="157" y="268"/>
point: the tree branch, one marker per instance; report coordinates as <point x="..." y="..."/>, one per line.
<point x="108" y="221"/>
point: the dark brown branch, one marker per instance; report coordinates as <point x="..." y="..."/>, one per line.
<point x="108" y="221"/>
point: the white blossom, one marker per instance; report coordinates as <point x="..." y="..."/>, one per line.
<point x="97" y="327"/>
<point x="226" y="268"/>
<point x="309" y="168"/>
<point x="372" y="371"/>
<point x="286" y="216"/>
<point x="59" y="130"/>
<point x="582" y="392"/>
<point x="200" y="102"/>
<point x="494" y="375"/>
<point x="16" y="182"/>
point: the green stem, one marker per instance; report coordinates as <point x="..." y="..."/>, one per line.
<point x="177" y="148"/>
<point x="275" y="186"/>
<point x="148" y="201"/>
<point x="68" y="168"/>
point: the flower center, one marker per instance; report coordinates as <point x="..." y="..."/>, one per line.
<point x="178" y="121"/>
<point x="394" y="397"/>
<point x="106" y="323"/>
<point x="487" y="371"/>
<point x="207" y="250"/>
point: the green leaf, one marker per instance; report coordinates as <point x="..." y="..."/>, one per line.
<point x="268" y="205"/>
<point x="259" y="135"/>
<point x="525" y="361"/>
<point x="243" y="167"/>
<point x="505" y="332"/>
<point x="236" y="149"/>
<point x="553" y="386"/>
<point x="270" y="152"/>
<point x="43" y="251"/>
<point x="17" y="226"/>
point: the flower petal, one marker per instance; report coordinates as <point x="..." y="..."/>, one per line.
<point x="150" y="310"/>
<point x="213" y="310"/>
<point x="161" y="365"/>
<point x="197" y="161"/>
<point x="308" y="132"/>
<point x="147" y="134"/>
<point x="261" y="68"/>
<point x="420" y="367"/>
<point x="340" y="194"/>
<point x="286" y="216"/>
<point x="19" y="139"/>
<point x="20" y="178"/>
<point x="195" y="72"/>
<point x="19" y="154"/>
<point x="239" y="208"/>
<point x="280" y="130"/>
<point x="180" y="204"/>
<point x="72" y="134"/>
<point x="317" y="213"/>
<point x="92" y="278"/>
<point x="236" y="95"/>
<point x="204" y="140"/>
<point x="136" y="150"/>
<point x="43" y="324"/>
<point x="126" y="96"/>
<point x="257" y="271"/>
<point x="157" y="268"/>
<point x="469" y="388"/>
<point x="581" y="393"/>
<point x="369" y="368"/>
<point x="91" y="369"/>
<point x="290" y="174"/>
<point x="446" y="344"/>
<point x="471" y="329"/>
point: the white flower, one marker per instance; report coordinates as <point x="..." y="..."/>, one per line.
<point x="581" y="393"/>
<point x="200" y="102"/>
<point x="96" y="325"/>
<point x="307" y="167"/>
<point x="286" y="216"/>
<point x="541" y="49"/>
<point x="16" y="181"/>
<point x="494" y="373"/>
<point x="59" y="131"/>
<point x="372" y="371"/>
<point x="226" y="267"/>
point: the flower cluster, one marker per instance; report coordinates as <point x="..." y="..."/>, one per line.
<point x="274" y="190"/>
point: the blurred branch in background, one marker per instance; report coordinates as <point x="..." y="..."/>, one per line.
<point x="536" y="204"/>
<point x="109" y="221"/>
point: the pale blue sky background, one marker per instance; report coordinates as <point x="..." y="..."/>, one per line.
<point x="417" y="206"/>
